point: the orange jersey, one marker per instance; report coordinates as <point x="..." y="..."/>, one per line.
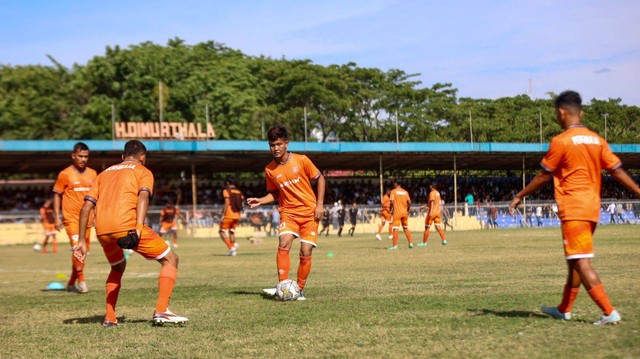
<point x="400" y="201"/>
<point x="232" y="194"/>
<point x="73" y="185"/>
<point x="169" y="214"/>
<point x="434" y="203"/>
<point x="115" y="195"/>
<point x="47" y="216"/>
<point x="577" y="157"/>
<point x="386" y="203"/>
<point x="292" y="180"/>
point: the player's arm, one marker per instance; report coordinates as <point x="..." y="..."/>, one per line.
<point x="322" y="183"/>
<point x="268" y="198"/>
<point x="227" y="202"/>
<point x="80" y="251"/>
<point x="539" y="181"/>
<point x="620" y="175"/>
<point x="142" y="208"/>
<point x="57" y="203"/>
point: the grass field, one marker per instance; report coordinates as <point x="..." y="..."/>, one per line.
<point x="474" y="298"/>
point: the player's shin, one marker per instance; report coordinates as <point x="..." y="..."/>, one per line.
<point x="303" y="270"/>
<point x="113" y="290"/>
<point x="166" y="283"/>
<point x="283" y="263"/>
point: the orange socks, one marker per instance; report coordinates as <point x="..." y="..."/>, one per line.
<point x="283" y="263"/>
<point x="303" y="270"/>
<point x="227" y="242"/>
<point x="599" y="296"/>
<point x="78" y="269"/>
<point x="568" y="297"/>
<point x="395" y="238"/>
<point x="166" y="282"/>
<point x="113" y="289"/>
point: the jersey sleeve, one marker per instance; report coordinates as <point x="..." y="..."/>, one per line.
<point x="61" y="183"/>
<point x="553" y="158"/>
<point x="146" y="182"/>
<point x="225" y="193"/>
<point x="271" y="186"/>
<point x="609" y="160"/>
<point x="92" y="195"/>
<point x="310" y="169"/>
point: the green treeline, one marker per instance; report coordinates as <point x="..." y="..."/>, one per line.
<point x="245" y="95"/>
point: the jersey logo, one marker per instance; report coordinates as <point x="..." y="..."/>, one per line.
<point x="585" y="140"/>
<point x="289" y="183"/>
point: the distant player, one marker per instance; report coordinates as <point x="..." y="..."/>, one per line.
<point x="233" y="200"/>
<point x="575" y="159"/>
<point x="385" y="215"/>
<point x="326" y="221"/>
<point x="288" y="179"/>
<point x="121" y="198"/>
<point x="169" y="222"/>
<point x="400" y="201"/>
<point x="433" y="216"/>
<point x="353" y="218"/>
<point x="49" y="226"/>
<point x="342" y="215"/>
<point x="72" y="184"/>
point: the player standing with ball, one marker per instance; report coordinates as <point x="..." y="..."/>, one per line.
<point x="288" y="179"/>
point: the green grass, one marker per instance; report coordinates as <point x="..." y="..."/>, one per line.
<point x="477" y="297"/>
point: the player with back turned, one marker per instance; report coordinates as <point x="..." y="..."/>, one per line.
<point x="288" y="179"/>
<point x="575" y="159"/>
<point x="400" y="202"/>
<point x="121" y="196"/>
<point x="233" y="200"/>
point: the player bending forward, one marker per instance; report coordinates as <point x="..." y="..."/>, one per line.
<point x="575" y="159"/>
<point x="121" y="197"/>
<point x="288" y="179"/>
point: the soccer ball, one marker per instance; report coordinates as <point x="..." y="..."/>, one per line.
<point x="287" y="290"/>
<point x="37" y="247"/>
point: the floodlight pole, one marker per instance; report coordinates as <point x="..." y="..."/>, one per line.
<point x="470" y="131"/>
<point x="305" y="127"/>
<point x="605" y="126"/>
<point x="113" y="121"/>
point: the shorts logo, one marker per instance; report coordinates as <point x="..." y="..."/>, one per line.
<point x="283" y="225"/>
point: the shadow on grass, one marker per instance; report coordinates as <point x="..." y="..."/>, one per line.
<point x="97" y="319"/>
<point x="250" y="293"/>
<point x="507" y="313"/>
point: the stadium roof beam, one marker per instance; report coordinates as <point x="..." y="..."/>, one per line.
<point x="45" y="157"/>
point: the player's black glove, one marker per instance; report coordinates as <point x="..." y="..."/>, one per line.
<point x="130" y="241"/>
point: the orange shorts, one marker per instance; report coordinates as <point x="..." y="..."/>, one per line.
<point x="168" y="226"/>
<point x="229" y="223"/>
<point x="73" y="232"/>
<point x="49" y="229"/>
<point x="151" y="246"/>
<point x="386" y="216"/>
<point x="404" y="221"/>
<point x="429" y="220"/>
<point x="577" y="237"/>
<point x="305" y="228"/>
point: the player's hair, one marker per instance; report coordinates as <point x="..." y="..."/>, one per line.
<point x="134" y="148"/>
<point x="569" y="100"/>
<point x="80" y="146"/>
<point x="232" y="180"/>
<point x="276" y="132"/>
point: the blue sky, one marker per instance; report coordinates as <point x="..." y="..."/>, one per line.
<point x="486" y="49"/>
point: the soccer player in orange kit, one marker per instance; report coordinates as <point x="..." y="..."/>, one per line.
<point x="385" y="215"/>
<point x="575" y="159"/>
<point x="433" y="216"/>
<point x="233" y="199"/>
<point x="400" y="201"/>
<point x="288" y="179"/>
<point x="72" y="184"/>
<point x="121" y="197"/>
<point x="49" y="226"/>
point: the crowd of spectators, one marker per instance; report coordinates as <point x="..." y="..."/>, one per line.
<point x="363" y="191"/>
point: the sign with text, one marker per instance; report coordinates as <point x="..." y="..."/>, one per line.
<point x="164" y="130"/>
